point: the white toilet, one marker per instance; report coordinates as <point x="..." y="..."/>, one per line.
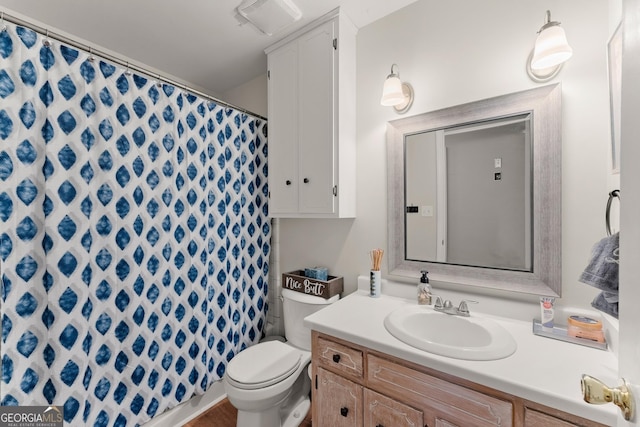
<point x="268" y="382"/>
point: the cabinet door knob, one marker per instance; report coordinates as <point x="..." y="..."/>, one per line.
<point x="336" y="358"/>
<point x="344" y="411"/>
<point x="379" y="425"/>
<point x="288" y="182"/>
<point x="306" y="180"/>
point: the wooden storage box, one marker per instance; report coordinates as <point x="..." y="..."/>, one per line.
<point x="296" y="281"/>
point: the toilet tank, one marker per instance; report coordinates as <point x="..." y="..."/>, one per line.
<point x="295" y="307"/>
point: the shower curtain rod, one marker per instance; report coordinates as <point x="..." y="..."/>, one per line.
<point x="111" y="58"/>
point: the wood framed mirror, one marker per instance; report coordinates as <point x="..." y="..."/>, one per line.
<point x="469" y="202"/>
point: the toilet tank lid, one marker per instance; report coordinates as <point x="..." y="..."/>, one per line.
<point x="308" y="299"/>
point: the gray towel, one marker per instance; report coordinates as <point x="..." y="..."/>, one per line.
<point x="606" y="302"/>
<point x="602" y="271"/>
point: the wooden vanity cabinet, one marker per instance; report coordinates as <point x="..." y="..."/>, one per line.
<point x="356" y="386"/>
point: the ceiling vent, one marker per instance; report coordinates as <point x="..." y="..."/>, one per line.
<point x="268" y="16"/>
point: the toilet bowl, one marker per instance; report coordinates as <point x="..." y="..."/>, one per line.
<point x="268" y="383"/>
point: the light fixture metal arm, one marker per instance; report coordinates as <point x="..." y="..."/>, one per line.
<point x="548" y="22"/>
<point x="392" y="74"/>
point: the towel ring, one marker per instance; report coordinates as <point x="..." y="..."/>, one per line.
<point x="614" y="193"/>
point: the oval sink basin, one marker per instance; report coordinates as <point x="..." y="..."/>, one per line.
<point x="468" y="338"/>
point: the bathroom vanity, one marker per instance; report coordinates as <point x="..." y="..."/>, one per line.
<point x="362" y="375"/>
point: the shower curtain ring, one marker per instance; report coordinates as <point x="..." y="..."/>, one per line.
<point x="3" y="27"/>
<point x="127" y="71"/>
<point x="91" y="57"/>
<point x="46" y="40"/>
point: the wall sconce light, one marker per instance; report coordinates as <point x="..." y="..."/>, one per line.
<point x="550" y="52"/>
<point x="396" y="93"/>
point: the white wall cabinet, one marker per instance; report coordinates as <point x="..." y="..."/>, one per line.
<point x="311" y="91"/>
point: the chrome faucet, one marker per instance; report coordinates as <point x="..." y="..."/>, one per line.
<point x="447" y="307"/>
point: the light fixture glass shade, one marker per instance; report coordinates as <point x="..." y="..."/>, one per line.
<point x="269" y="16"/>
<point x="392" y="92"/>
<point x="551" y="48"/>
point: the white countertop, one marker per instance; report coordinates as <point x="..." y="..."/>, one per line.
<point x="542" y="370"/>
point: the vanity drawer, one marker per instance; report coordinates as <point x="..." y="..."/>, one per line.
<point x="554" y="418"/>
<point x="440" y="400"/>
<point x="341" y="358"/>
<point x="538" y="419"/>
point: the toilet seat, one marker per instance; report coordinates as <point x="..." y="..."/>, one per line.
<point x="263" y="365"/>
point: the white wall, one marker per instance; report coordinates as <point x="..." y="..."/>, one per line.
<point x="453" y="52"/>
<point x="251" y="96"/>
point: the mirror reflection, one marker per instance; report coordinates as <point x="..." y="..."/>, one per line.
<point x="468" y="193"/>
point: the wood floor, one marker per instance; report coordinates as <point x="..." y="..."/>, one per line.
<point x="224" y="414"/>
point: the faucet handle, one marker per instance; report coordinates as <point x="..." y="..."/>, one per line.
<point x="438" y="305"/>
<point x="463" y="309"/>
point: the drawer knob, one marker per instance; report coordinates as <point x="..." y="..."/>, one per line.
<point x="288" y="182"/>
<point x="306" y="180"/>
<point x="336" y="358"/>
<point x="379" y="425"/>
<point x="344" y="411"/>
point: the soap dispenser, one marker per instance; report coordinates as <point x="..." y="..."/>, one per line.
<point x="424" y="289"/>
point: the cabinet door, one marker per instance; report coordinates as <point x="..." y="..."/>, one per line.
<point x="316" y="65"/>
<point x="283" y="130"/>
<point x="381" y="411"/>
<point x="338" y="401"/>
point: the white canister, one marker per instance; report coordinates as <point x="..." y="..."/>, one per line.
<point x="375" y="280"/>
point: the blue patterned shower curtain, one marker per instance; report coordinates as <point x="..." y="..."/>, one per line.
<point x="134" y="238"/>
